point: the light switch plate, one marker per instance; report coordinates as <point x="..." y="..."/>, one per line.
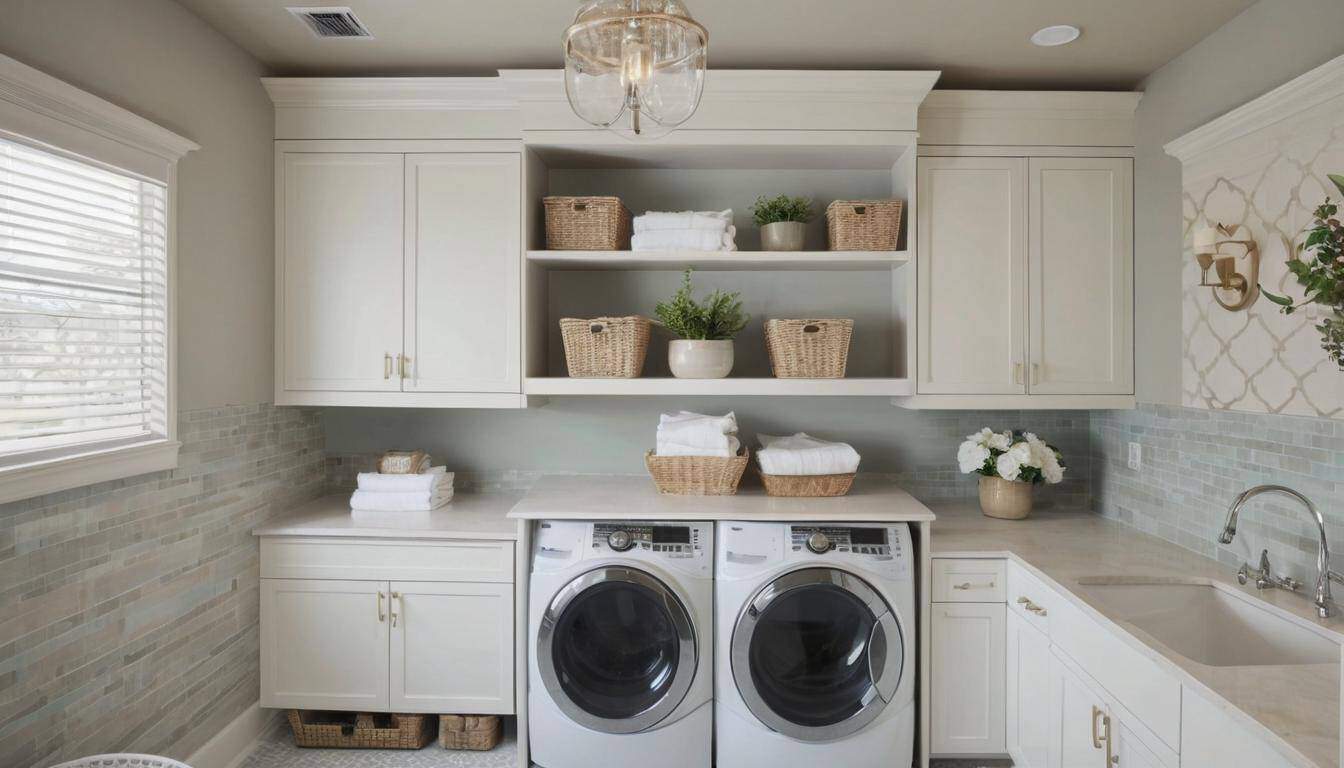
<point x="1135" y="456"/>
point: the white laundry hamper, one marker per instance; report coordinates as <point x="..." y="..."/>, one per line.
<point x="123" y="760"/>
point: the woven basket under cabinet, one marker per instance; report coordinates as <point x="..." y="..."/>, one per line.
<point x="474" y="732"/>
<point x="697" y="475"/>
<point x="808" y="349"/>
<point x="586" y="224"/>
<point x="605" y="347"/>
<point x="806" y="485"/>
<point x="361" y="731"/>
<point x="863" y="225"/>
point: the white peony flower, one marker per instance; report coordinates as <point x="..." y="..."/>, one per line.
<point x="981" y="437"/>
<point x="1052" y="472"/>
<point x="1000" y="442"/>
<point x="971" y="455"/>
<point x="1008" y="466"/>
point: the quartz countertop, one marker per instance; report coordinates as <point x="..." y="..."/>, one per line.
<point x="467" y="516"/>
<point x="1298" y="704"/>
<point x="633" y="497"/>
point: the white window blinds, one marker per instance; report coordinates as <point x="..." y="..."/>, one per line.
<point x="83" y="306"/>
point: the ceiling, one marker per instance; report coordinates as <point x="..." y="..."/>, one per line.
<point x="976" y="43"/>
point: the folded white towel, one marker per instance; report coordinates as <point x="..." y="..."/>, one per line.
<point x="684" y="240"/>
<point x="695" y="434"/>
<point x="376" y="481"/>
<point x="715" y="221"/>
<point x="802" y="454"/>
<point x="399" y="501"/>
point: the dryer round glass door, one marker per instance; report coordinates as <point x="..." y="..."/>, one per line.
<point x="616" y="650"/>
<point x="817" y="654"/>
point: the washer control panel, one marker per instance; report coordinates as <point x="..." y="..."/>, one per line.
<point x="675" y="541"/>
<point x="857" y="540"/>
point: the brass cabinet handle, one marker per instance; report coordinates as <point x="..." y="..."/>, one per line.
<point x="1017" y="373"/>
<point x="395" y="596"/>
<point x="387" y="365"/>
<point x="1030" y="606"/>
<point x="968" y="585"/>
<point x="1035" y="373"/>
<point x="1111" y="757"/>
<point x="405" y="366"/>
<point x="1097" y="714"/>
<point x="381" y="617"/>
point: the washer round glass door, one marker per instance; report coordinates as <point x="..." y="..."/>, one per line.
<point x="616" y="650"/>
<point x="817" y="654"/>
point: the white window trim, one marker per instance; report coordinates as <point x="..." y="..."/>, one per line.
<point x="42" y="110"/>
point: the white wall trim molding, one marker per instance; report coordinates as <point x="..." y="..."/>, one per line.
<point x="229" y="747"/>
<point x="1298" y="95"/>
<point x="1029" y="118"/>
<point x="400" y="93"/>
<point x="25" y="88"/>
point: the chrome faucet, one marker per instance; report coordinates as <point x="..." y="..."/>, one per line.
<point x="1263" y="578"/>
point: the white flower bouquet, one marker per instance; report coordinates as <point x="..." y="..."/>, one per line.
<point x="1014" y="456"/>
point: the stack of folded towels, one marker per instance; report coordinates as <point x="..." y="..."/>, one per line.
<point x="378" y="492"/>
<point x="802" y="454"/>
<point x="695" y="434"/>
<point x="684" y="231"/>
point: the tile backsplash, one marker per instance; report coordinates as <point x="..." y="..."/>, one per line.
<point x="128" y="609"/>
<point x="1195" y="461"/>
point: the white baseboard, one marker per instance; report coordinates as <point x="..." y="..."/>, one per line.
<point x="227" y="748"/>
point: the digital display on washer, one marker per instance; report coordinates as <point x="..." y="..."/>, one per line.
<point x="868" y="536"/>
<point x="671" y="534"/>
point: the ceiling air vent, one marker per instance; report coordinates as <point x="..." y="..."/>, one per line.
<point x="332" y="22"/>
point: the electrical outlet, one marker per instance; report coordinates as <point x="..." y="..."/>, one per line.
<point x="1135" y="456"/>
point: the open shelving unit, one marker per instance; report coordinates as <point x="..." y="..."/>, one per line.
<point x="733" y="260"/>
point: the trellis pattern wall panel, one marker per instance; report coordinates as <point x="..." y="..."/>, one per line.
<point x="128" y="609"/>
<point x="1262" y="166"/>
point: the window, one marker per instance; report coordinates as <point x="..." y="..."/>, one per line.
<point x="83" y="306"/>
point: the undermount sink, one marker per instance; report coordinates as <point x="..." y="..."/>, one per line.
<point x="1211" y="626"/>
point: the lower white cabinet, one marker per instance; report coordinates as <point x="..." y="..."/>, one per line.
<point x="452" y="648"/>
<point x="1089" y="730"/>
<point x="968" y="679"/>
<point x="1209" y="736"/>
<point x="1028" y="691"/>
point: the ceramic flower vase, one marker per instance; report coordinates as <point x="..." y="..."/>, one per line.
<point x="700" y="359"/>
<point x="1004" y="499"/>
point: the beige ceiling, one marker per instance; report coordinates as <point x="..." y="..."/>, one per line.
<point x="977" y="43"/>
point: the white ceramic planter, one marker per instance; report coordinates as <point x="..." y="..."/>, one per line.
<point x="783" y="236"/>
<point x="698" y="359"/>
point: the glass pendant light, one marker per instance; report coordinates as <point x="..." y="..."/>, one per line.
<point x="635" y="66"/>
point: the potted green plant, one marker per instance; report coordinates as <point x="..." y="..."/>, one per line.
<point x="703" y="348"/>
<point x="1318" y="265"/>
<point x="783" y="221"/>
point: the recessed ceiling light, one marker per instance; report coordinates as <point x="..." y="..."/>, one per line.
<point x="1060" y="34"/>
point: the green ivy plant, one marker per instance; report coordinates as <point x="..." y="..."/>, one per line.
<point x="769" y="210"/>
<point x="1318" y="265"/>
<point x="720" y="316"/>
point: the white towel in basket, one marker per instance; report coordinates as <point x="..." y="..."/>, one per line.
<point x="802" y="454"/>
<point x="694" y="434"/>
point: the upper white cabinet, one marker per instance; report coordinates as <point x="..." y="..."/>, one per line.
<point x="1025" y="279"/>
<point x="398" y="276"/>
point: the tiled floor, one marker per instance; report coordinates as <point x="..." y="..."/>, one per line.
<point x="277" y="750"/>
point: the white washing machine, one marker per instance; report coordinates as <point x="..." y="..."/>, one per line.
<point x="620" y="623"/>
<point x="815" y="649"/>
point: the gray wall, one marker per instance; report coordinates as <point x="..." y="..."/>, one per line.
<point x="160" y="61"/>
<point x="1269" y="44"/>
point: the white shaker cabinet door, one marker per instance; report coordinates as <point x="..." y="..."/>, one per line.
<point x="971" y="261"/>
<point x="324" y="644"/>
<point x="1028" y="694"/>
<point x="339" y="271"/>
<point x="1076" y="719"/>
<point x="968" y="678"/>
<point x="463" y="266"/>
<point x="1081" y="275"/>
<point x="452" y="647"/>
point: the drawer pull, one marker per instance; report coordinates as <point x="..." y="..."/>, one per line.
<point x="395" y="596"/>
<point x="381" y="616"/>
<point x="968" y="585"/>
<point x="1030" y="606"/>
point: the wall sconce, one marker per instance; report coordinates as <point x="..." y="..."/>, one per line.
<point x="1235" y="290"/>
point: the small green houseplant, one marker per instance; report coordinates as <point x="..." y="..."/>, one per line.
<point x="705" y="329"/>
<point x="783" y="221"/>
<point x="1318" y="265"/>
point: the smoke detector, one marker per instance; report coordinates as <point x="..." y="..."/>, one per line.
<point x="332" y="22"/>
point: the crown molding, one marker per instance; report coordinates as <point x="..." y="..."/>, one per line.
<point x="40" y="93"/>
<point x="1298" y="95"/>
<point x="401" y="93"/>
<point x="777" y="85"/>
<point x="1067" y="105"/>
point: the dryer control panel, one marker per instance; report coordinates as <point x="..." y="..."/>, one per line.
<point x="820" y="539"/>
<point x="667" y="539"/>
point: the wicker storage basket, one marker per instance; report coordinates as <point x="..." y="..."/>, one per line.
<point x="342" y="730"/>
<point x="586" y="224"/>
<point x="806" y="485"/>
<point x="475" y="732"/>
<point x="863" y="225"/>
<point x="697" y="475"/>
<point x="808" y="349"/>
<point x="605" y="347"/>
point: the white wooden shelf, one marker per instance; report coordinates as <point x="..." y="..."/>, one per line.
<point x="857" y="387"/>
<point x="724" y="260"/>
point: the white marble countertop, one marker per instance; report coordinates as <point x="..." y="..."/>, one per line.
<point x="1298" y="704"/>
<point x="467" y="516"/>
<point x="633" y="497"/>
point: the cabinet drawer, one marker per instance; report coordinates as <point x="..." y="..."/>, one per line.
<point x="297" y="557"/>
<point x="1030" y="598"/>
<point x="968" y="581"/>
